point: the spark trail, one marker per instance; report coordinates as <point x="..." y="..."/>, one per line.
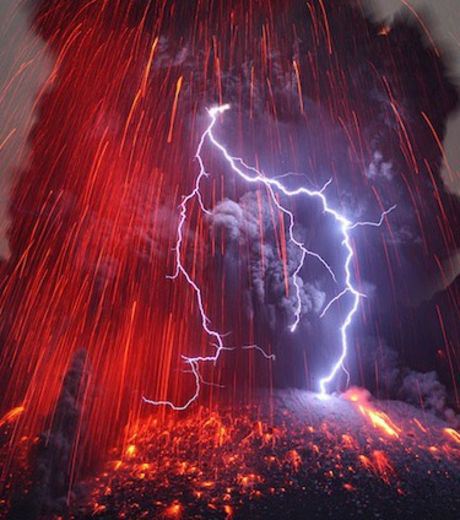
<point x="273" y="185"/>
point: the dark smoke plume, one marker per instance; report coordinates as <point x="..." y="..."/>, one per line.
<point x="51" y="459"/>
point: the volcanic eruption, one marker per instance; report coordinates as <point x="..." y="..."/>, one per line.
<point x="232" y="217"/>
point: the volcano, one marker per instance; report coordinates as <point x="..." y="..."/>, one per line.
<point x="123" y="278"/>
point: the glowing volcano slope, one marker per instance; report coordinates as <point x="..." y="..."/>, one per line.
<point x="343" y="458"/>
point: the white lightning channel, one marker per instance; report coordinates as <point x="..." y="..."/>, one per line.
<point x="272" y="184"/>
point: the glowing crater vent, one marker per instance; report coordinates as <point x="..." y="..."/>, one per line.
<point x="274" y="186"/>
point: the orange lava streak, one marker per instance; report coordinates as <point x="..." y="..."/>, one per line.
<point x="378" y="419"/>
<point x="12" y="415"/>
<point x="453" y="434"/>
<point x="174" y="110"/>
<point x="379" y="464"/>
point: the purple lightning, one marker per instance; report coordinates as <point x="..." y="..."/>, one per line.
<point x="344" y="225"/>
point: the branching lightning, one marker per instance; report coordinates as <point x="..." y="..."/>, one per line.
<point x="274" y="187"/>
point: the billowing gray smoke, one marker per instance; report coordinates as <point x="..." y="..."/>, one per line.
<point x="425" y="390"/>
<point x="243" y="222"/>
<point x="422" y="389"/>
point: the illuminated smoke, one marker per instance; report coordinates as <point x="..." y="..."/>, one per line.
<point x="241" y="222"/>
<point x="426" y="391"/>
<point x="52" y="461"/>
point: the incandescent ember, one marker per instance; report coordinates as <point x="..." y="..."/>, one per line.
<point x="298" y="456"/>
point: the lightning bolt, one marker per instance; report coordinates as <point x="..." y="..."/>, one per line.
<point x="274" y="186"/>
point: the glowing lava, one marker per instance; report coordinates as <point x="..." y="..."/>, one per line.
<point x="11" y="415"/>
<point x="378" y="419"/>
<point x="255" y="460"/>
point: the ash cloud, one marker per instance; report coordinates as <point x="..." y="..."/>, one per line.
<point x="397" y="261"/>
<point x="382" y="72"/>
<point x="426" y="391"/>
<point x="396" y="381"/>
<point x="389" y="78"/>
<point x="25" y="66"/>
<point x="243" y="224"/>
<point x="364" y="157"/>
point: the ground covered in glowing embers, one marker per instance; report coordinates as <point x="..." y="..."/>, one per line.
<point x="306" y="459"/>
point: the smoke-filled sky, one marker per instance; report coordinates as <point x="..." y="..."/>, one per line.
<point x="25" y="64"/>
<point x="442" y="21"/>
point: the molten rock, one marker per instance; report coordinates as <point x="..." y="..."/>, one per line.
<point x="296" y="456"/>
